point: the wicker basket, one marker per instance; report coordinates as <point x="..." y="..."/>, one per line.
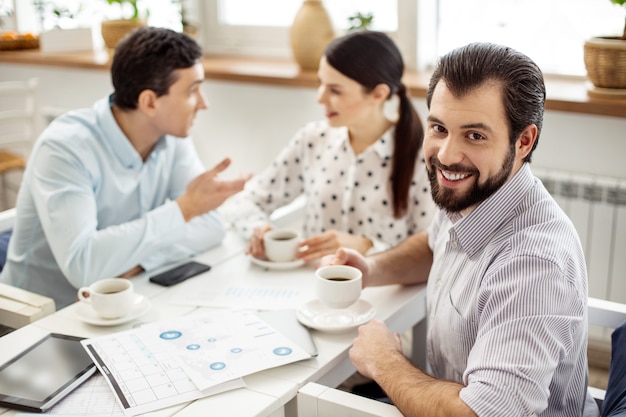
<point x="19" y="43"/>
<point x="605" y="60"/>
<point x="114" y="31"/>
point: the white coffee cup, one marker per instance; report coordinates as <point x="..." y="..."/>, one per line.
<point x="110" y="298"/>
<point x="338" y="286"/>
<point x="281" y="245"/>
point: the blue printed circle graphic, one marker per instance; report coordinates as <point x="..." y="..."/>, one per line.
<point x="282" y="351"/>
<point x="211" y="339"/>
<point x="172" y="334"/>
<point x="193" y="347"/>
<point x="236" y="350"/>
<point x="217" y="366"/>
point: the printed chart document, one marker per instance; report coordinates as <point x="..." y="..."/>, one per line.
<point x="93" y="398"/>
<point x="174" y="361"/>
<point x="247" y="286"/>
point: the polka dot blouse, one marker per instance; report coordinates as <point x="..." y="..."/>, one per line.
<point x="344" y="191"/>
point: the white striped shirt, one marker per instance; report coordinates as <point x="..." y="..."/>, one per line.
<point x="507" y="302"/>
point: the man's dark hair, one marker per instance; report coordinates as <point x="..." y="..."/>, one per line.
<point x="523" y="90"/>
<point x="147" y="59"/>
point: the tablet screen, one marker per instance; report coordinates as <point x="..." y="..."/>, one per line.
<point x="44" y="373"/>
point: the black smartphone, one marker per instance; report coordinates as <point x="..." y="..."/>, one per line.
<point x="179" y="273"/>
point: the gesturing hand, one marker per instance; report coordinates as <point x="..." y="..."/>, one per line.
<point x="207" y="192"/>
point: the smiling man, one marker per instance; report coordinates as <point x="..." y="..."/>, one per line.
<point x="507" y="283"/>
<point x="118" y="188"/>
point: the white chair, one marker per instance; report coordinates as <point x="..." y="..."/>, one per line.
<point x="18" y="123"/>
<point x="315" y="400"/>
<point x="7" y="219"/>
<point x="606" y="314"/>
<point x="19" y="307"/>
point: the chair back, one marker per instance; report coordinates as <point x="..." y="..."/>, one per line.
<point x="18" y="127"/>
<point x="7" y="219"/>
<point x="18" y="115"/>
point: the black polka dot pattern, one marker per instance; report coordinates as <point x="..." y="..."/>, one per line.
<point x="344" y="191"/>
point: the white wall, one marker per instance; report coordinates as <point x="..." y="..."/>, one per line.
<point x="251" y="122"/>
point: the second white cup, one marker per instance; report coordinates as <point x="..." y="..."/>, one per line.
<point x="110" y="298"/>
<point x="338" y="286"/>
<point x="281" y="245"/>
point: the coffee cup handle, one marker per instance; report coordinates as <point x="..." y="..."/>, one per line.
<point x="81" y="294"/>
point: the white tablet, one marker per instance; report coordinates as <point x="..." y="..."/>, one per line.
<point x="43" y="374"/>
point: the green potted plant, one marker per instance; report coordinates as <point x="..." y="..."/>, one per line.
<point x="113" y="30"/>
<point x="360" y="21"/>
<point x="605" y="60"/>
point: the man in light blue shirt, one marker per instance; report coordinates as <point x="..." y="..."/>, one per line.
<point x="118" y="188"/>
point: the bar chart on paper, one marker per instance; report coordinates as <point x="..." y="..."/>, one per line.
<point x="174" y="361"/>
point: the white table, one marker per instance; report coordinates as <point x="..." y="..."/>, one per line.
<point x="268" y="393"/>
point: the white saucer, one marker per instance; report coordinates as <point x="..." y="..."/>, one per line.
<point x="265" y="263"/>
<point x="86" y="313"/>
<point x="316" y="315"/>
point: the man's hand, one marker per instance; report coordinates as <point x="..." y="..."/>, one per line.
<point x="374" y="345"/>
<point x="328" y="242"/>
<point x="345" y="256"/>
<point x="207" y="192"/>
<point x="132" y="272"/>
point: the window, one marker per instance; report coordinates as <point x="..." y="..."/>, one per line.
<point x="42" y="15"/>
<point x="253" y="27"/>
<point x="552" y="32"/>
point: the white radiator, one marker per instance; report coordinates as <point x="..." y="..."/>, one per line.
<point x="597" y="207"/>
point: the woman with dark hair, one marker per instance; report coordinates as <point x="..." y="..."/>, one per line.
<point x="361" y="169"/>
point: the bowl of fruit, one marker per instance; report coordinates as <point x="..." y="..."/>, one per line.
<point x="11" y="40"/>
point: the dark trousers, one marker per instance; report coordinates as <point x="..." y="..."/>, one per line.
<point x="615" y="399"/>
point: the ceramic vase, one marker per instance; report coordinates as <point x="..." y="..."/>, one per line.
<point x="310" y="33"/>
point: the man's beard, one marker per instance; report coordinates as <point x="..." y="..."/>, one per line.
<point x="446" y="199"/>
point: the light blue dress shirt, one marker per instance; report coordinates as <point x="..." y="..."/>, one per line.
<point x="90" y="208"/>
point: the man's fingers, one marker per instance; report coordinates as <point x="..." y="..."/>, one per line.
<point x="341" y="257"/>
<point x="221" y="166"/>
<point x="232" y="186"/>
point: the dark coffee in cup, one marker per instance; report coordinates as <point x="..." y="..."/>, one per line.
<point x="281" y="245"/>
<point x="338" y="286"/>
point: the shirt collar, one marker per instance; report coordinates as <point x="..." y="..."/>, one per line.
<point x="117" y="140"/>
<point x="477" y="228"/>
<point x="383" y="146"/>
